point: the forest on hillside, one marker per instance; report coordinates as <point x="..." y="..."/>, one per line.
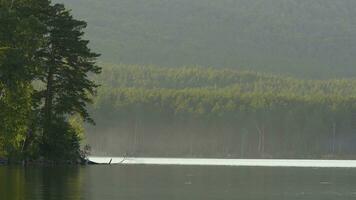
<point x="207" y="112"/>
<point x="277" y="78"/>
<point x="297" y="37"/>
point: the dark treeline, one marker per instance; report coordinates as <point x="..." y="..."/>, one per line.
<point x="151" y="111"/>
<point x="44" y="84"/>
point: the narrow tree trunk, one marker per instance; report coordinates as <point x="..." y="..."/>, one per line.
<point x="261" y="139"/>
<point x="12" y="4"/>
<point x="48" y="107"/>
<point x="26" y="144"/>
<point x="242" y="143"/>
<point x="134" y="145"/>
<point x="334" y="138"/>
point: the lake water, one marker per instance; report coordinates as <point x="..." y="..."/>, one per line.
<point x="155" y="182"/>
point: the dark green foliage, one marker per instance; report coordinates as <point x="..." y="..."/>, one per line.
<point x="20" y="35"/>
<point x="63" y="142"/>
<point x="15" y="105"/>
<point x="44" y="68"/>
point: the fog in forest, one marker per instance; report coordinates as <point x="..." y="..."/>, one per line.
<point x="207" y="112"/>
<point x="276" y="77"/>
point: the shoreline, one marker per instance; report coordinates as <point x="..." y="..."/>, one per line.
<point x="248" y="162"/>
<point x="7" y="162"/>
<point x="306" y="163"/>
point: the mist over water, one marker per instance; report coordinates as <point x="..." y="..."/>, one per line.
<point x="207" y="142"/>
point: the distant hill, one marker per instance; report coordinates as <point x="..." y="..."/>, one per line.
<point x="314" y="39"/>
<point x="150" y="77"/>
<point x="206" y="112"/>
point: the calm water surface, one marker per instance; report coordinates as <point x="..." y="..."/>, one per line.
<point x="138" y="182"/>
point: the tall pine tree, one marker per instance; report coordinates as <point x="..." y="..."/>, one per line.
<point x="67" y="65"/>
<point x="45" y="66"/>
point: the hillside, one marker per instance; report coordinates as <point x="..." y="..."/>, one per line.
<point x="206" y="112"/>
<point x="313" y="39"/>
<point x="151" y="77"/>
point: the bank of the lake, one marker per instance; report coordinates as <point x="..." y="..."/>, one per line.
<point x="43" y="162"/>
<point x="225" y="162"/>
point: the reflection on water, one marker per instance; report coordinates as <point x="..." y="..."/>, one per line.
<point x="20" y="183"/>
<point x="175" y="183"/>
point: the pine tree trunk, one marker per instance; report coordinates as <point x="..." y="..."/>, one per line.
<point x="48" y="107"/>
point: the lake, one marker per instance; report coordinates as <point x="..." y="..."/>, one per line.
<point x="155" y="182"/>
